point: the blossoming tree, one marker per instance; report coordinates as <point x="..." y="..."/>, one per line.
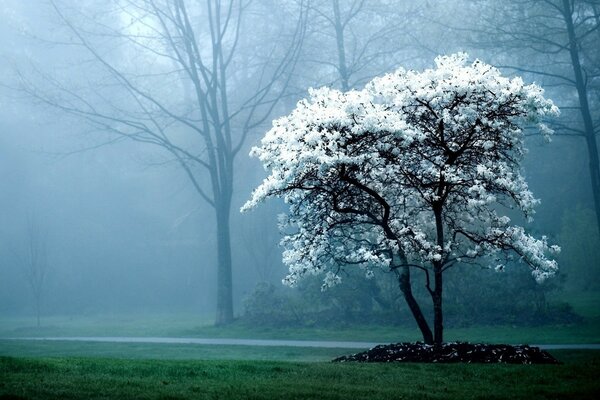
<point x="414" y="172"/>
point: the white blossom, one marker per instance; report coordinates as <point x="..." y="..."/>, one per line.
<point x="362" y="171"/>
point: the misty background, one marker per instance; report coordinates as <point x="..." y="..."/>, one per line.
<point x="121" y="228"/>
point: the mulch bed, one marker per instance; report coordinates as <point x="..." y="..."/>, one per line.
<point x="453" y="352"/>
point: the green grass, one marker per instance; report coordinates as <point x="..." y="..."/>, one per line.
<point x="22" y="348"/>
<point x="96" y="378"/>
<point x="192" y="325"/>
<point x="105" y="325"/>
<point x="587" y="332"/>
<point x="187" y="325"/>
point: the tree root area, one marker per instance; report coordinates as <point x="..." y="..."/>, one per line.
<point x="454" y="352"/>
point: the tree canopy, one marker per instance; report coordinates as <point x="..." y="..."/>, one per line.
<point x="417" y="170"/>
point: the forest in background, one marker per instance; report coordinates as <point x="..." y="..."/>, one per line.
<point x="107" y="205"/>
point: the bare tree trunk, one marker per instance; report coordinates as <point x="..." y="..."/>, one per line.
<point x="37" y="309"/>
<point x="438" y="315"/>
<point x="35" y="263"/>
<point x="406" y="289"/>
<point x="436" y="293"/>
<point x="339" y="37"/>
<point x="222" y="206"/>
<point x="224" y="272"/>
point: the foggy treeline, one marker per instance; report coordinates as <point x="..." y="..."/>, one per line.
<point x="125" y="127"/>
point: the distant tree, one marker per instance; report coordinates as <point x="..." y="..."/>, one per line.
<point x="343" y="51"/>
<point x="413" y="172"/>
<point x="557" y="42"/>
<point x="187" y="77"/>
<point x="34" y="262"/>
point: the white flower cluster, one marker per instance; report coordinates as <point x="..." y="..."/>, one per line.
<point x="364" y="171"/>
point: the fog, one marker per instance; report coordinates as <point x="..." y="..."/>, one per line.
<point x="102" y="171"/>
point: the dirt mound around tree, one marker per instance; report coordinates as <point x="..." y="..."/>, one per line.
<point x="453" y="352"/>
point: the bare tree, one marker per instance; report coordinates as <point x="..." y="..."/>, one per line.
<point x="363" y="39"/>
<point x="557" y="42"/>
<point x="34" y="262"/>
<point x="179" y="75"/>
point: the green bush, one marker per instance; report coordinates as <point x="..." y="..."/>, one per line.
<point x="485" y="297"/>
<point x="472" y="296"/>
<point x="270" y="305"/>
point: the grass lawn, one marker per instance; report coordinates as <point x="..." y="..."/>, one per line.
<point x="187" y="325"/>
<point x="96" y="378"/>
<point x="22" y="348"/>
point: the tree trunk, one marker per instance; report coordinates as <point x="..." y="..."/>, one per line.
<point x="405" y="288"/>
<point x="224" y="274"/>
<point x="438" y="315"/>
<point x="590" y="137"/>
<point x="339" y="38"/>
<point x="37" y="309"/>
<point x="436" y="293"/>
